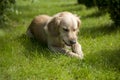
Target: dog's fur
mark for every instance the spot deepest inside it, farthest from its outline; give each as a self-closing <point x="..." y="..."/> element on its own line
<point x="58" y="32"/>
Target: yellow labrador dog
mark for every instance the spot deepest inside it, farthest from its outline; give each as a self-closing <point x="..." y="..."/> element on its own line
<point x="59" y="32"/>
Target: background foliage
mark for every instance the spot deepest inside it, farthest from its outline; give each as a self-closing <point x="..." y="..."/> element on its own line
<point x="110" y="6"/>
<point x="5" y="6"/>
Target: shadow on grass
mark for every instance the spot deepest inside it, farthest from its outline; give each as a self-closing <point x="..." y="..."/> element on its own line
<point x="96" y="14"/>
<point x="98" y="30"/>
<point x="105" y="59"/>
<point x="79" y="7"/>
<point x="72" y="7"/>
<point x="111" y="58"/>
<point x="33" y="48"/>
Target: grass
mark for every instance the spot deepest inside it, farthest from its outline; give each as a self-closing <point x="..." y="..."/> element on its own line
<point x="24" y="59"/>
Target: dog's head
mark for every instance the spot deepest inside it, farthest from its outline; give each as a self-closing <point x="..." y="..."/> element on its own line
<point x="66" y="26"/>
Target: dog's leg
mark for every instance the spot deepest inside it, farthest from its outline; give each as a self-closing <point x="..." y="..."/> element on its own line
<point x="76" y="48"/>
<point x="57" y="49"/>
<point x="72" y="54"/>
<point x="67" y="52"/>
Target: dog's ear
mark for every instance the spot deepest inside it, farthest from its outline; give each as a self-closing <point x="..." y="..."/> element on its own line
<point x="53" y="26"/>
<point x="78" y="22"/>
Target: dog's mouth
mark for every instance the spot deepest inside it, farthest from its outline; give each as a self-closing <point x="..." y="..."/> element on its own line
<point x="66" y="43"/>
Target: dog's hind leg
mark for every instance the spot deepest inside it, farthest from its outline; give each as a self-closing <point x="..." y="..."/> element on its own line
<point x="28" y="33"/>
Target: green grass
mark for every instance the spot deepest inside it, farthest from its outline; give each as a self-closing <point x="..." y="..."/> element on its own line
<point x="24" y="59"/>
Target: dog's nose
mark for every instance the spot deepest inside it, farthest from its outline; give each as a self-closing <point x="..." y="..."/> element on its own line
<point x="72" y="41"/>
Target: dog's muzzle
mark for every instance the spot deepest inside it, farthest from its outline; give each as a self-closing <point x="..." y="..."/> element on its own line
<point x="71" y="42"/>
<point x="67" y="43"/>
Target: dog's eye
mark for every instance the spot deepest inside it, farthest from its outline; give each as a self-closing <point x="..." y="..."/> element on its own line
<point x="74" y="29"/>
<point x="66" y="30"/>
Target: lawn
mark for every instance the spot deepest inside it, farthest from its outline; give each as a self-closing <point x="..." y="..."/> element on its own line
<point x="24" y="59"/>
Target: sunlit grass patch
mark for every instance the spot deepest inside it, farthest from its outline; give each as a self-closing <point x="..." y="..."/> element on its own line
<point x="22" y="58"/>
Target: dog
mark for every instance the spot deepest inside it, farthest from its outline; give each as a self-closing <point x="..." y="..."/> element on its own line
<point x="59" y="32"/>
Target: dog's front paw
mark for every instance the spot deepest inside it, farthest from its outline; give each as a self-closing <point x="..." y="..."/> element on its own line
<point x="81" y="55"/>
<point x="76" y="48"/>
<point x="79" y="52"/>
<point x="72" y="54"/>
